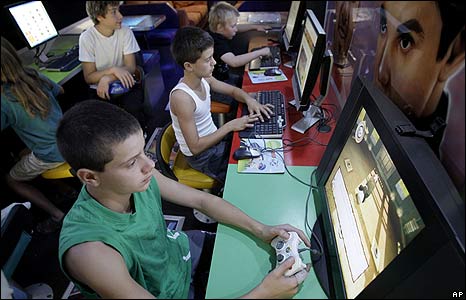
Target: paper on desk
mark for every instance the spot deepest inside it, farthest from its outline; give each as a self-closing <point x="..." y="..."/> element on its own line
<point x="257" y="76"/>
<point x="270" y="162"/>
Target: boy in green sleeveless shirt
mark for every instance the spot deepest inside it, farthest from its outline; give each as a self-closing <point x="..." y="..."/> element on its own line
<point x="114" y="242"/>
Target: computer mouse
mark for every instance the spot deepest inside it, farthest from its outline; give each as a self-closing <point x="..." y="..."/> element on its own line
<point x="272" y="72"/>
<point x="117" y="88"/>
<point x="245" y="153"/>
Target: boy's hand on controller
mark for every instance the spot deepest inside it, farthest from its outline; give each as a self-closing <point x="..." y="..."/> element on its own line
<point x="270" y="232"/>
<point x="277" y="285"/>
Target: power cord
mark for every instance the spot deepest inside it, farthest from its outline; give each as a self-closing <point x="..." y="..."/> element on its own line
<point x="306" y="208"/>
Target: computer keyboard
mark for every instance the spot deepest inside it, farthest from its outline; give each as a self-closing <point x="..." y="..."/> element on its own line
<point x="266" y="61"/>
<point x="66" y="62"/>
<point x="270" y="128"/>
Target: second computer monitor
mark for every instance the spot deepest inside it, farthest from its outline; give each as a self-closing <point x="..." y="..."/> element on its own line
<point x="294" y="23"/>
<point x="309" y="61"/>
<point x="312" y="59"/>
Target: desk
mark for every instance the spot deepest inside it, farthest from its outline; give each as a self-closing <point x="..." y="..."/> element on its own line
<point x="306" y="155"/>
<point x="136" y="23"/>
<point x="275" y="19"/>
<point x="143" y="22"/>
<point x="239" y="260"/>
<point x="60" y="45"/>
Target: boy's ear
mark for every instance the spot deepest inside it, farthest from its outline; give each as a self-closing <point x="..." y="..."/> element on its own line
<point x="454" y="57"/>
<point x="88" y="177"/>
<point x="188" y="66"/>
<point x="220" y="27"/>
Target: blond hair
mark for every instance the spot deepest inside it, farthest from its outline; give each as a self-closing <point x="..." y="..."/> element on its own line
<point x="95" y="9"/>
<point x="220" y="13"/>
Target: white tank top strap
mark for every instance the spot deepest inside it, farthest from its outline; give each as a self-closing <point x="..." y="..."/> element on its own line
<point x="202" y="115"/>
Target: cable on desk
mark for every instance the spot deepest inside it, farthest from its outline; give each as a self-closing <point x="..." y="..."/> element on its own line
<point x="311" y="188"/>
<point x="277" y="151"/>
<point x="306" y="221"/>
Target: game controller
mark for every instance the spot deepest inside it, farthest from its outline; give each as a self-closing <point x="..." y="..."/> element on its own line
<point x="286" y="248"/>
<point x="117" y="88"/>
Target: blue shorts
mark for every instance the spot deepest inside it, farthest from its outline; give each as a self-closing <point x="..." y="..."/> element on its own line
<point x="213" y="161"/>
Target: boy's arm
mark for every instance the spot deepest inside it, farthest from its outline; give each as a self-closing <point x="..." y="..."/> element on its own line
<point x="255" y="108"/>
<point x="275" y="284"/>
<point x="182" y="106"/>
<point x="104" y="77"/>
<point x="221" y="210"/>
<point x="241" y="60"/>
<point x="103" y="269"/>
<point x="248" y="27"/>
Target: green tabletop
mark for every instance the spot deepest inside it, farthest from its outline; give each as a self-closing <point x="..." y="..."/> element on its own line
<point x="240" y="261"/>
<point x="60" y="45"/>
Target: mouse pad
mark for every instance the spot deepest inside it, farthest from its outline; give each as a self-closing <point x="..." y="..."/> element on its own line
<point x="258" y="76"/>
<point x="270" y="161"/>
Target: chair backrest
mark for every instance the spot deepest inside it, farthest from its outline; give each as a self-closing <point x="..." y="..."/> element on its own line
<point x="165" y="143"/>
<point x="16" y="234"/>
<point x="181" y="170"/>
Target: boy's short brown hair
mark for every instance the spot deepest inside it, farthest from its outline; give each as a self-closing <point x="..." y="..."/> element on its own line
<point x="99" y="8"/>
<point x="220" y="13"/>
<point x="189" y="43"/>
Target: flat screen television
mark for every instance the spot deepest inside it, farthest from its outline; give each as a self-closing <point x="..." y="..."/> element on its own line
<point x="393" y="221"/>
<point x="33" y="22"/>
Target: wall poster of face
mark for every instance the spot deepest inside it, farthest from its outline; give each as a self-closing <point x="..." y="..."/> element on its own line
<point x="414" y="52"/>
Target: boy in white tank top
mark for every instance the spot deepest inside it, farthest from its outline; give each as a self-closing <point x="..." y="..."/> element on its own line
<point x="200" y="141"/>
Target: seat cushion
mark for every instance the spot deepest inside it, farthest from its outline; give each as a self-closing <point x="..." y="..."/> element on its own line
<point x="189" y="176"/>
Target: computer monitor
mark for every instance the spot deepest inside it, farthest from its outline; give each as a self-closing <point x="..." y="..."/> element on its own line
<point x="312" y="60"/>
<point x="294" y="25"/>
<point x="392" y="221"/>
<point x="34" y="23"/>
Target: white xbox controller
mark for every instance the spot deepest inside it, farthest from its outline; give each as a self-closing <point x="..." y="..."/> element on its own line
<point x="287" y="248"/>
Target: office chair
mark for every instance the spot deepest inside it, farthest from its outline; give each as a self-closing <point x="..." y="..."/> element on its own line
<point x="221" y="109"/>
<point x="180" y="170"/>
<point x="16" y="235"/>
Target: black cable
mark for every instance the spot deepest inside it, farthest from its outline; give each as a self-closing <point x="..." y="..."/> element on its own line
<point x="306" y="222"/>
<point x="277" y="151"/>
<point x="311" y="187"/>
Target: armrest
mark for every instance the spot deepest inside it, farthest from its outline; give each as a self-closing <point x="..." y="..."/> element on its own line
<point x="219" y="108"/>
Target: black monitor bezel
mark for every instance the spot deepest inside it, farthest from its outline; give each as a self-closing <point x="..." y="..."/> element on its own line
<point x="303" y="100"/>
<point x="294" y="40"/>
<point x="432" y="191"/>
<point x="21" y="33"/>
